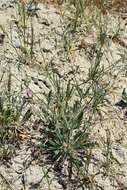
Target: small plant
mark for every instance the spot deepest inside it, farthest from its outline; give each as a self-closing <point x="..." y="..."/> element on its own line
<point x="66" y="136"/>
<point x="69" y="112"/>
<point x="14" y="112"/>
<point x="25" y="30"/>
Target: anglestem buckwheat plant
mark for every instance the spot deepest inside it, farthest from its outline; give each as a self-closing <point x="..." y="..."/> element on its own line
<point x="66" y="136"/>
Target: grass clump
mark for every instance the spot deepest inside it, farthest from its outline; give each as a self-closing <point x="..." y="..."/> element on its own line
<point x="66" y="136"/>
<point x="70" y="112"/>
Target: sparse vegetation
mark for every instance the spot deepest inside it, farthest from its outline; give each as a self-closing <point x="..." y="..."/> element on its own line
<point x="65" y="124"/>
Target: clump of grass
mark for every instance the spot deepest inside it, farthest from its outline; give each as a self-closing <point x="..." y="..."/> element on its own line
<point x="66" y="136"/>
<point x="70" y="111"/>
